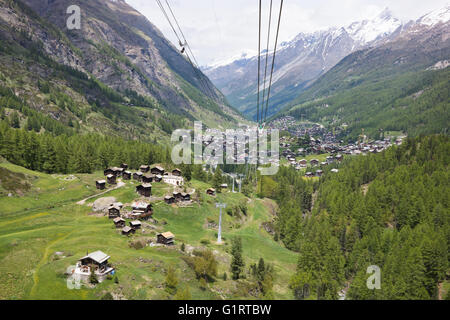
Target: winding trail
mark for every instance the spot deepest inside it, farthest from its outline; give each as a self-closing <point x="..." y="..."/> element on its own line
<point x="120" y="184"/>
<point x="43" y="261"/>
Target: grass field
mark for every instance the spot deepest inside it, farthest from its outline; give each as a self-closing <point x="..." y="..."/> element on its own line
<point x="46" y="219"/>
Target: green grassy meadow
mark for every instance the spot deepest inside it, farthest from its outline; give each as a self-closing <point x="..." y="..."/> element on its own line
<point x="46" y="219"/>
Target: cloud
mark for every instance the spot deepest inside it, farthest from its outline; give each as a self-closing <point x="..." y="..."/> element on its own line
<point x="218" y="29"/>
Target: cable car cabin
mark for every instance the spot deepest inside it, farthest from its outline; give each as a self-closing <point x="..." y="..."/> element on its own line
<point x="124" y="166"/>
<point x="137" y="176"/>
<point x="157" y="170"/>
<point x="144" y="168"/>
<point x="166" y="238"/>
<point x="147" y="178"/>
<point x="136" y="224"/>
<point x="100" y="184"/>
<point x="111" y="179"/>
<point x="169" y="199"/>
<point x="119" y="222"/>
<point x="211" y="191"/>
<point x="126" y="175"/>
<point x="126" y="231"/>
<point x="176" y="172"/>
<point x="144" y="189"/>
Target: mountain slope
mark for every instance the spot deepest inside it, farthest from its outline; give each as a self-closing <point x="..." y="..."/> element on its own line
<point x="300" y="62"/>
<point x="400" y="85"/>
<point x="117" y="75"/>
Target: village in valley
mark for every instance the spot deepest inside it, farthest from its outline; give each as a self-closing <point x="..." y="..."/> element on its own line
<point x="311" y="148"/>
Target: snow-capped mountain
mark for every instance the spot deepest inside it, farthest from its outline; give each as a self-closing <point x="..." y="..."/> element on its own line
<point x="435" y="17"/>
<point x="304" y="59"/>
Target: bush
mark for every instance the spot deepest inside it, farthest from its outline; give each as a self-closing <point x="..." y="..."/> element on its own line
<point x="108" y="296"/>
<point x="203" y="263"/>
<point x="205" y="241"/>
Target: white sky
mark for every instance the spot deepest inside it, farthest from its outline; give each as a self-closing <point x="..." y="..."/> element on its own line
<point x="220" y="29"/>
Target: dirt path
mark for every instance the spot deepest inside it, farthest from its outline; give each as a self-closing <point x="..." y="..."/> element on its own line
<point x="120" y="184"/>
<point x="43" y="261"/>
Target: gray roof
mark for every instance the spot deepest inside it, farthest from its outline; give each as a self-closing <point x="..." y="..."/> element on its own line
<point x="97" y="256"/>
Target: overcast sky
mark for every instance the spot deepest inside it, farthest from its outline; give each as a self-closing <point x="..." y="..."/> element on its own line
<point x="220" y="29"/>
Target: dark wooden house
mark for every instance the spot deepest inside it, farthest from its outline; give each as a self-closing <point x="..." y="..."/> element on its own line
<point x="100" y="184"/>
<point x="309" y="175"/>
<point x="144" y="189"/>
<point x="169" y="199"/>
<point x="178" y="197"/>
<point x="176" y="172"/>
<point x="137" y="176"/>
<point x="111" y="179"/>
<point x="124" y="166"/>
<point x="319" y="173"/>
<point x="126" y="231"/>
<point x="108" y="171"/>
<point x="114" y="211"/>
<point x="211" y="191"/>
<point x="136" y="224"/>
<point x="157" y="170"/>
<point x="119" y="222"/>
<point x="144" y="168"/>
<point x="147" y="178"/>
<point x="186" y="197"/>
<point x="166" y="238"/>
<point x="157" y="178"/>
<point x="141" y="210"/>
<point x="126" y="175"/>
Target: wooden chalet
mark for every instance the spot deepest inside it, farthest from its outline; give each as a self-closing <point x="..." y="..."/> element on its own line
<point x="108" y="171"/>
<point x="141" y="210"/>
<point x="314" y="162"/>
<point x="126" y="231"/>
<point x="119" y="222"/>
<point x="211" y="191"/>
<point x="144" y="168"/>
<point x="224" y="186"/>
<point x="319" y="173"/>
<point x="176" y="172"/>
<point x="100" y="184"/>
<point x="111" y="179"/>
<point x="309" y="175"/>
<point x="157" y="178"/>
<point x="137" y="176"/>
<point x="97" y="262"/>
<point x="185" y="196"/>
<point x="169" y="199"/>
<point x="147" y="178"/>
<point x="166" y="238"/>
<point x="144" y="189"/>
<point x="136" y="224"/>
<point x="157" y="170"/>
<point x="126" y="175"/>
<point x="177" y="195"/>
<point x="114" y="210"/>
<point x="124" y="166"/>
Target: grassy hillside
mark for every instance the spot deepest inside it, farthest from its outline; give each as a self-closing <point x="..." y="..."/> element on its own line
<point x="46" y="220"/>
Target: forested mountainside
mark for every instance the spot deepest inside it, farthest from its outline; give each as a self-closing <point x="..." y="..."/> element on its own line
<point x="118" y="75"/>
<point x="399" y="86"/>
<point x="389" y="209"/>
